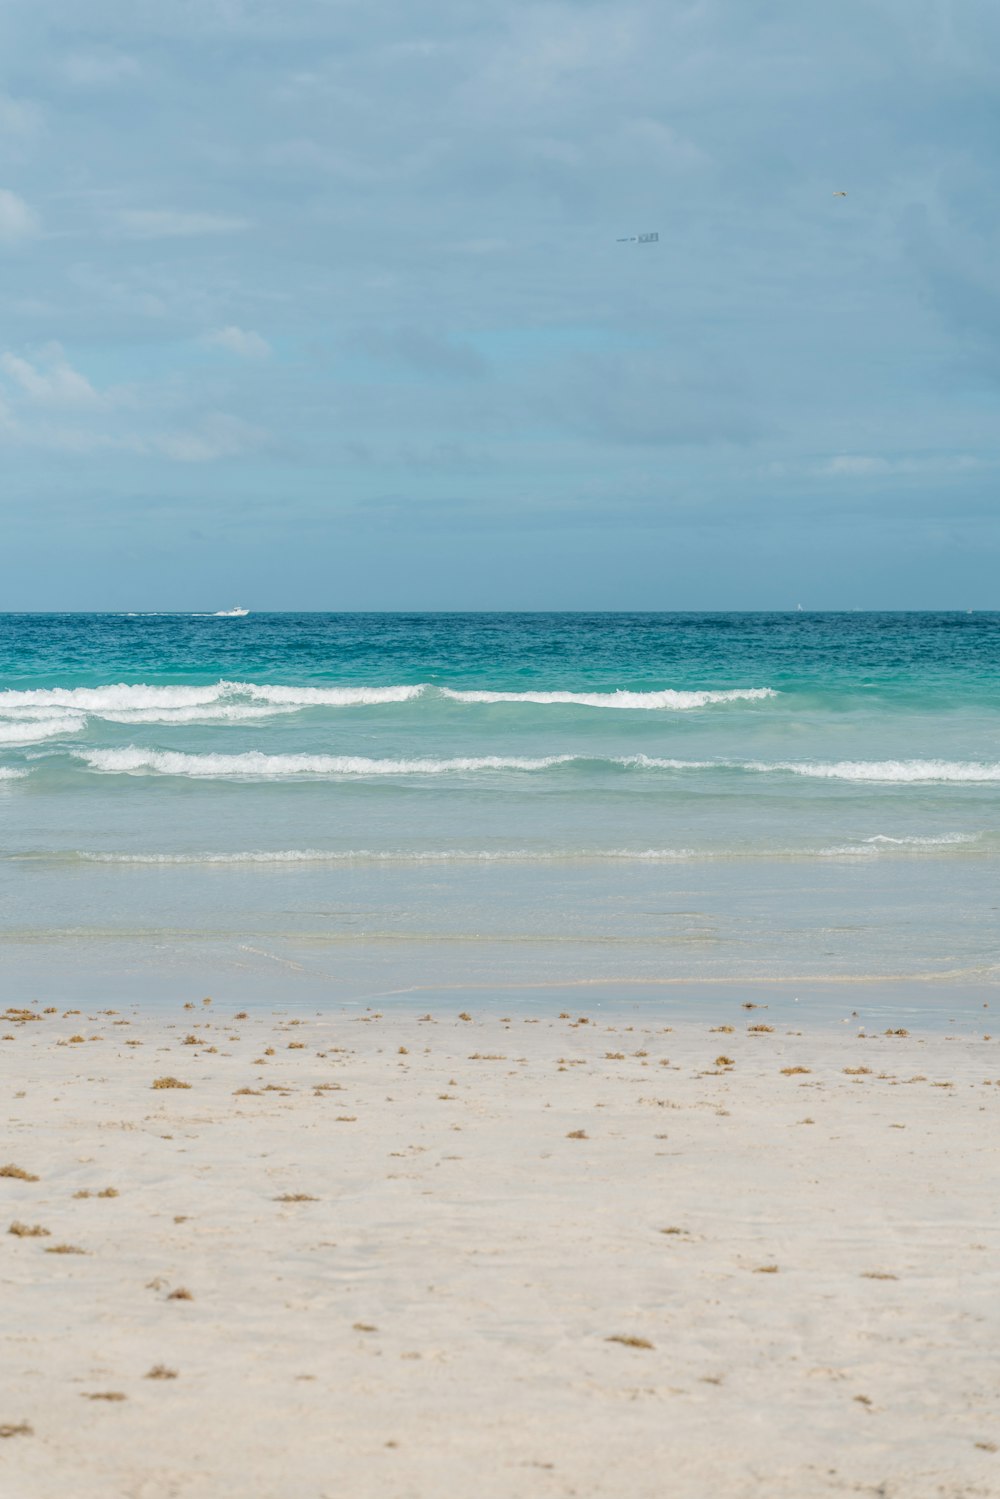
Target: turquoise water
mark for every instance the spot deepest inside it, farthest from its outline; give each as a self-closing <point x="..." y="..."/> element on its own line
<point x="351" y="804"/>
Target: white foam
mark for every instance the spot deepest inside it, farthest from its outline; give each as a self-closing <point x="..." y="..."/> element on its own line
<point x="258" y="765"/>
<point x="669" y="699"/>
<point x="901" y="772"/>
<point x="330" y="697"/>
<point x="367" y="855"/>
<point x="885" y="772"/>
<point x="167" y="704"/>
<point x="248" y="856"/>
<point x="862" y="850"/>
<point x="141" y="697"/>
<point x="877" y="848"/>
<point x="32" y="714"/>
<point x="116" y="697"/>
<point x="255" y="765"/>
<point x="941" y="841"/>
<point x="211" y="713"/>
<point x="658" y="762"/>
<point x="7" y="773"/>
<point x="32" y="731"/>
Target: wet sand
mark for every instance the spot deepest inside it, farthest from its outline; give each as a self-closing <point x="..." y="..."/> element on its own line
<point x="531" y="1256"/>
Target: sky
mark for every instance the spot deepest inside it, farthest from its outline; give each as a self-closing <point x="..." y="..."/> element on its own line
<point x="330" y="304"/>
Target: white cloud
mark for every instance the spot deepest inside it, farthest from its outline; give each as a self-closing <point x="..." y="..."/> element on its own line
<point x="217" y="436"/>
<point x="47" y="405"/>
<point x="660" y="143"/>
<point x="861" y="466"/>
<point x="854" y="465"/>
<point x="17" y="220"/>
<point x="170" y="223"/>
<point x="241" y="341"/>
<point x="81" y="441"/>
<point x="483" y="246"/>
<point x="50" y="380"/>
<point x="18" y="117"/>
<point x="552" y="52"/>
<point x="99" y="69"/>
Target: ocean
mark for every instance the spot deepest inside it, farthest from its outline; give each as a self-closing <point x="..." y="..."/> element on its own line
<point x="607" y="808"/>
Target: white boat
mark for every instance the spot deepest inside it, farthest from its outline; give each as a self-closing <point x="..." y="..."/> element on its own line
<point x="237" y="612"/>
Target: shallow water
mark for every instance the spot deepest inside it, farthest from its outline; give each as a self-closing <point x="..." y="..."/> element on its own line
<point x="345" y="805"/>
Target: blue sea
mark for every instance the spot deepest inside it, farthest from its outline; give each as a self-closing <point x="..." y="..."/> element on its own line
<point x="603" y="808"/>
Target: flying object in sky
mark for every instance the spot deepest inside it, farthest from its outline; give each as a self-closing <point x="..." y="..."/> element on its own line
<point x="637" y="239"/>
<point x="839" y="194"/>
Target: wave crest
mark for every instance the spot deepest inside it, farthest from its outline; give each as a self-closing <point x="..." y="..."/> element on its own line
<point x="258" y="766"/>
<point x="255" y="764"/>
<point x="33" y="730"/>
<point x="391" y="856"/>
<point x="668" y="698"/>
<point x="884" y="772"/>
<point x="888" y="772"/>
<point x="878" y="847"/>
<point x="941" y="840"/>
<point x="140" y="702"/>
<point x="330" y="697"/>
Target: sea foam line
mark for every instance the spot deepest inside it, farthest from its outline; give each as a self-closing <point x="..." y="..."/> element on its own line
<point x="884" y="772"/>
<point x="393" y="856"/>
<point x="868" y="848"/>
<point x="140" y="702"/>
<point x="887" y="772"/>
<point x="135" y="698"/>
<point x="650" y="701"/>
<point x="941" y="840"/>
<point x="33" y="730"/>
<point x="254" y="764"/>
<point x="219" y="712"/>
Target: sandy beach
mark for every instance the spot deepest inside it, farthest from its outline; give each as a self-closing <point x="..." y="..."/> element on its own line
<point x="587" y="1255"/>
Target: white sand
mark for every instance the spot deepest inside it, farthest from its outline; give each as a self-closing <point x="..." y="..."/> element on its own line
<point x="437" y="1321"/>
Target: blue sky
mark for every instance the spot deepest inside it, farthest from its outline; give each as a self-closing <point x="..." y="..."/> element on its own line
<point x="320" y="304"/>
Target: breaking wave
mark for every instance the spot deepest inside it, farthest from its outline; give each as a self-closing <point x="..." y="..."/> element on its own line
<point x="667" y="699"/>
<point x="941" y="841"/>
<point x="33" y="730"/>
<point x="886" y="772"/>
<point x="210" y="714"/>
<point x="392" y="856"/>
<point x="135" y="698"/>
<point x="117" y="697"/>
<point x="866" y="848"/>
<point x="258" y="766"/>
<point x="254" y="764"/>
<point x="331" y="697"/>
<point x="125" y="702"/>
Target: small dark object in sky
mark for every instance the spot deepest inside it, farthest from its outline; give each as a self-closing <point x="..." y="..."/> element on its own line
<point x="840" y="194"/>
<point x="638" y="239"/>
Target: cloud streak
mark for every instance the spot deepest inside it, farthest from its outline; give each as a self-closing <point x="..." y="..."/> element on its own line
<point x="243" y="342"/>
<point x="50" y="380"/>
<point x="172" y="223"/>
<point x="18" y="221"/>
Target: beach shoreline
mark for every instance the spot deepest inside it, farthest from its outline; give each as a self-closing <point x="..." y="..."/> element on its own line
<point x="548" y="1252"/>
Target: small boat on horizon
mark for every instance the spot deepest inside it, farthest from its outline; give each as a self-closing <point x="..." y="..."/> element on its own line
<point x="237" y="612"/>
